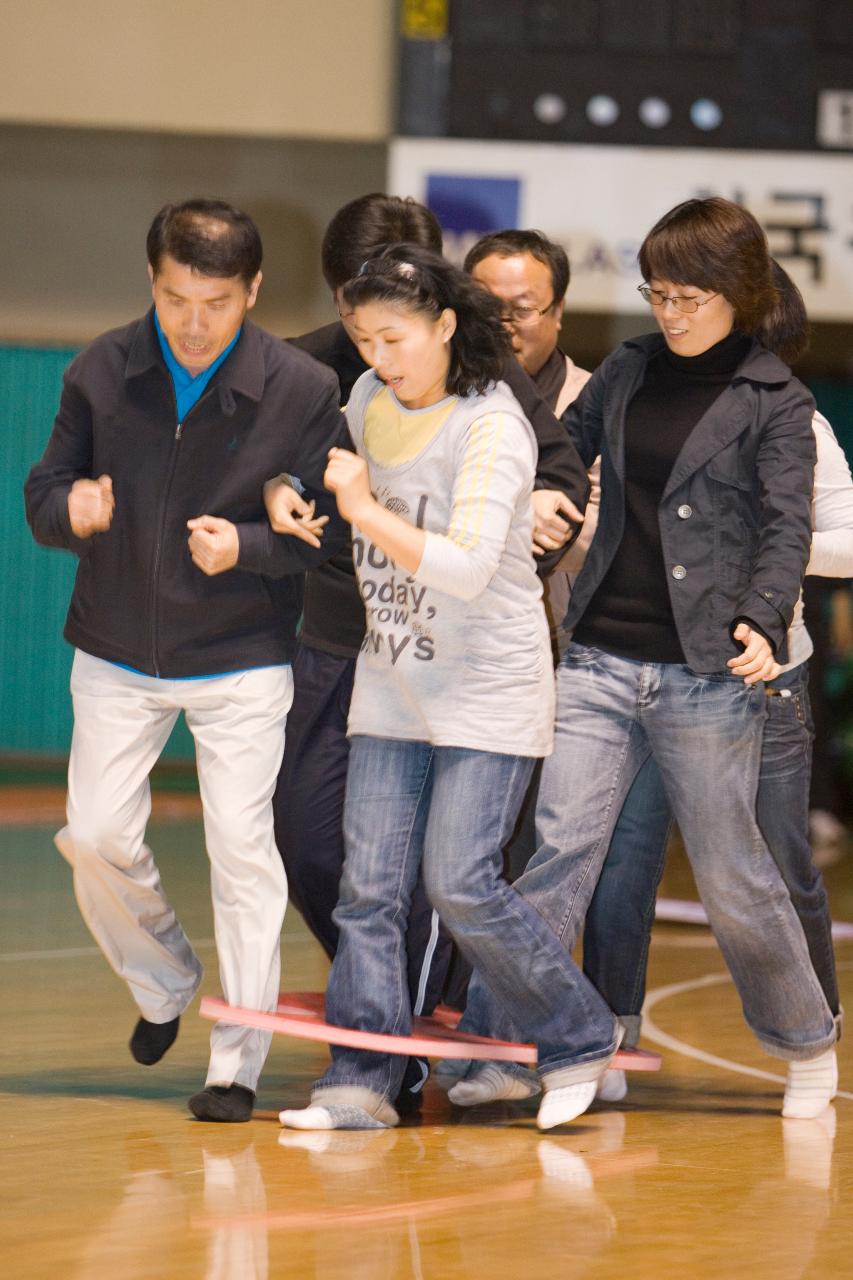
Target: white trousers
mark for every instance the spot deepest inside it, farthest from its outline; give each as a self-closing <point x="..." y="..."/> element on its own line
<point x="122" y="721"/>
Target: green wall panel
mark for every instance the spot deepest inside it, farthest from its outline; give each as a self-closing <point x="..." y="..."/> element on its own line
<point x="35" y="707"/>
<point x="35" y="585"/>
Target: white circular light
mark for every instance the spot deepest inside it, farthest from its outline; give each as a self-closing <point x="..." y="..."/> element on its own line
<point x="706" y="114"/>
<point x="549" y="108"/>
<point x="602" y="110"/>
<point x="655" y="113"/>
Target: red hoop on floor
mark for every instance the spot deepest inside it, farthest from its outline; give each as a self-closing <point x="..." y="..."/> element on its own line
<point x="301" y="1014"/>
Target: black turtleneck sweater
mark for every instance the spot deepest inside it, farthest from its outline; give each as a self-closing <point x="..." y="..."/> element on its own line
<point x="630" y="614"/>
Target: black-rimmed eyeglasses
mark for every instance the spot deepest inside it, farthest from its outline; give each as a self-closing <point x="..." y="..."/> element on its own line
<point x="687" y="306"/>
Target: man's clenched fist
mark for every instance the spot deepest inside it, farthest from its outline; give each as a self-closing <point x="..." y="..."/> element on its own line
<point x="90" y="506"/>
<point x="214" y="544"/>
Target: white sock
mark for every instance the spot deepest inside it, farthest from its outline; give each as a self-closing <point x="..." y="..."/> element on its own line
<point x="446" y="1072"/>
<point x="491" y="1084"/>
<point x="331" y="1117"/>
<point x="569" y="1101"/>
<point x="306" y="1118"/>
<point x="612" y="1086"/>
<point x="811" y="1086"/>
<point x="559" y="1106"/>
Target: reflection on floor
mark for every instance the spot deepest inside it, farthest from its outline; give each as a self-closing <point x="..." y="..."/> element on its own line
<point x="106" y="1176"/>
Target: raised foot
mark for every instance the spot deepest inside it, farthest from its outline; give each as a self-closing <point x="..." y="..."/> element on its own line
<point x="811" y="1086"/>
<point x="150" y="1040"/>
<point x="559" y="1106"/>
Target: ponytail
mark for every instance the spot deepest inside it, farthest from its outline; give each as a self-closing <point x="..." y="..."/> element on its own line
<point x="784" y="329"/>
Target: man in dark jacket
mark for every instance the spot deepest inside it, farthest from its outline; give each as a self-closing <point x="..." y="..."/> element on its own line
<point x="185" y="600"/>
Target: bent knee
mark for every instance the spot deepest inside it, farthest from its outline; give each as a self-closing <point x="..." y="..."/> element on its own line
<point x="87" y="844"/>
<point x="457" y="897"/>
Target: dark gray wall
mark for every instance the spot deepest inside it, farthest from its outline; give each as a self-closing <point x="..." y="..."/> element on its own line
<point x="76" y="204"/>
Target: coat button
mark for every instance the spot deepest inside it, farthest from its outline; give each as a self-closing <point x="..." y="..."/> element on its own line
<point x="685" y="511"/>
<point x="679" y="572"/>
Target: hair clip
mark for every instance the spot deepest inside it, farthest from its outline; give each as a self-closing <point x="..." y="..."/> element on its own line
<point x="388" y="267"/>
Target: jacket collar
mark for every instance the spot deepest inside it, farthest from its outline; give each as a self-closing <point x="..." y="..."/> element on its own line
<point x="243" y="371"/>
<point x="723" y="421"/>
<point x="758" y="365"/>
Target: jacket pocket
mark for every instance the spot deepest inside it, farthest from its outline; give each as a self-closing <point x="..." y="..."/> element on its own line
<point x="726" y="468"/>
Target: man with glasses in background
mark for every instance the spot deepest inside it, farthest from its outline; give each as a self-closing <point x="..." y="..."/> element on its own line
<point x="530" y="275"/>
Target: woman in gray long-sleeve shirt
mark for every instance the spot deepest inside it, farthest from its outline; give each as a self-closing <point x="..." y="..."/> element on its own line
<point x="453" y="697"/>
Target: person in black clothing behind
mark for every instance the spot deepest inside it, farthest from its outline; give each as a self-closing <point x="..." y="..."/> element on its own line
<point x="310" y="794"/>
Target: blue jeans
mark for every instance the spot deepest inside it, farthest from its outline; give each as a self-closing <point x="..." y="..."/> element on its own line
<point x="618" y="926"/>
<point x="619" y="920"/>
<point x="704" y="732"/>
<point x="309" y="805"/>
<point x="451" y="809"/>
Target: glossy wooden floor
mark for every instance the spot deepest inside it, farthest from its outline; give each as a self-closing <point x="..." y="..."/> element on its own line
<point x="105" y="1176"/>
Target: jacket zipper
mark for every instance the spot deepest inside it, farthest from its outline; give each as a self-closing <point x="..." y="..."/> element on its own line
<point x="161" y="521"/>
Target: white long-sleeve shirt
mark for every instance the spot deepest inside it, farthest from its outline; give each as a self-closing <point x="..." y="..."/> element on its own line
<point x="832" y="522"/>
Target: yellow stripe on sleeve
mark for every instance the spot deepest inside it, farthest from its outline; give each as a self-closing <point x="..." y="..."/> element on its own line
<point x="475" y="479"/>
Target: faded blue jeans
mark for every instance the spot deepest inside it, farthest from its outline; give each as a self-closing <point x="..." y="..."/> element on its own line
<point x="704" y="732"/>
<point x="618" y="926"/>
<point x="620" y="916"/>
<point x="452" y="809"/>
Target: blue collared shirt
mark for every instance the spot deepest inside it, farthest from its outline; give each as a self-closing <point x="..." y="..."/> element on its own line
<point x="189" y="389"/>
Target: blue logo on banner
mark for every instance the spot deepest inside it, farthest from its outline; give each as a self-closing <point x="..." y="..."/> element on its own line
<point x="471" y="207"/>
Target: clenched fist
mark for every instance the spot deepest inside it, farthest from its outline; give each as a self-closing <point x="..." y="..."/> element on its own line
<point x="347" y="476"/>
<point x="90" y="506"/>
<point x="214" y="544"/>
<point x="553" y="517"/>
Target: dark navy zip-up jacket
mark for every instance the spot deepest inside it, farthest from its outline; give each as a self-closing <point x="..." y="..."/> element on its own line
<point x="138" y="598"/>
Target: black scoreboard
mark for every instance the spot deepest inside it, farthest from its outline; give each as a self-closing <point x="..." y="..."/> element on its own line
<point x="757" y="74"/>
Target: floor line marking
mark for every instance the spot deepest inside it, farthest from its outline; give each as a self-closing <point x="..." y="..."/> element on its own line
<point x="684" y="911"/>
<point x="666" y="1041"/>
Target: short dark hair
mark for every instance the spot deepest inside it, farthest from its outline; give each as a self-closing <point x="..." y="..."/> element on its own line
<point x="418" y="280"/>
<point x="717" y="244"/>
<point x="369" y="223"/>
<point x="209" y="236"/>
<point x="510" y="243"/>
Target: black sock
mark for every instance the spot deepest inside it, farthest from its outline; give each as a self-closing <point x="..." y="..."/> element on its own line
<point x="150" y="1040"/>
